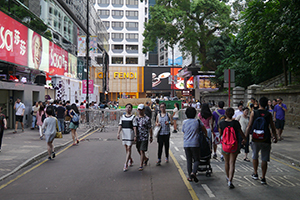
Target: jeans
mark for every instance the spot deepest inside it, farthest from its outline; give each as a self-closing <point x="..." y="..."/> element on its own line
<point x="33" y="121"/>
<point x="61" y="125"/>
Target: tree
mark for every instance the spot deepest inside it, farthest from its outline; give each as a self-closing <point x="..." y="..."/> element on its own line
<point x="191" y="23"/>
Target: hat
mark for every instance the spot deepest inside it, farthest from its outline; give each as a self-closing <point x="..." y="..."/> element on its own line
<point x="141" y="106"/>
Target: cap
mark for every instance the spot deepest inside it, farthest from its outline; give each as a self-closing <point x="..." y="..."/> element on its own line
<point x="141" y="106"/>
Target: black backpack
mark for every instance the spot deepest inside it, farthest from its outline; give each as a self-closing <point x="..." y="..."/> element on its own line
<point x="260" y="127"/>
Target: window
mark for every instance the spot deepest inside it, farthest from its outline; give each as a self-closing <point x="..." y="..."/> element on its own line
<point x="117" y="2"/>
<point x="132" y="2"/>
<point x="132" y="47"/>
<point x="130" y="60"/>
<point x="132" y="36"/>
<point x="132" y="24"/>
<point x="103" y="12"/>
<point x="117" y="36"/>
<point x="106" y="24"/>
<point x="117" y="60"/>
<point x="131" y="13"/>
<point x="103" y="1"/>
<point x="117" y="13"/>
<point x="117" y="47"/>
<point x="117" y="24"/>
<point x="146" y="11"/>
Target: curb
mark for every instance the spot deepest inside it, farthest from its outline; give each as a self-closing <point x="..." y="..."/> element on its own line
<point x="41" y="155"/>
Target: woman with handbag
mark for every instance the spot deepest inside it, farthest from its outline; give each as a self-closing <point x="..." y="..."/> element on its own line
<point x="191" y="129"/>
<point x="73" y="125"/>
<point x="164" y="120"/>
<point x="50" y="129"/>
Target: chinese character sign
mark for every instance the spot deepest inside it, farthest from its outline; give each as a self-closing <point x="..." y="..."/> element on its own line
<point x="13" y="40"/>
<point x="58" y="60"/>
<point x="91" y="86"/>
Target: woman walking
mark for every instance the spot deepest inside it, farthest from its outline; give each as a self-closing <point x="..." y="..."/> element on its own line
<point x="175" y="116"/>
<point x="230" y="158"/>
<point x="73" y="125"/>
<point x="3" y="125"/>
<point x="191" y="128"/>
<point x="50" y="128"/>
<point x="205" y="116"/>
<point x="164" y="120"/>
<point x="35" y="109"/>
<point x="39" y="121"/>
<point x="128" y="126"/>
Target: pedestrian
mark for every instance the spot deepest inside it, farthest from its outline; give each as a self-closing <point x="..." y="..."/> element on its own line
<point x="148" y="111"/>
<point x="50" y="128"/>
<point x="239" y="111"/>
<point x="252" y="101"/>
<point x="60" y="114"/>
<point x="128" y="126"/>
<point x="39" y="120"/>
<point x="191" y="129"/>
<point x="214" y="127"/>
<point x="175" y="116"/>
<point x="244" y="120"/>
<point x="230" y="157"/>
<point x="263" y="146"/>
<point x="20" y="110"/>
<point x="274" y="102"/>
<point x="270" y="108"/>
<point x="279" y="117"/>
<point x="164" y="120"/>
<point x="3" y="125"/>
<point x="73" y="125"/>
<point x="82" y="112"/>
<point x="256" y="105"/>
<point x="206" y="116"/>
<point x="156" y="108"/>
<point x="143" y="131"/>
<point x="34" y="110"/>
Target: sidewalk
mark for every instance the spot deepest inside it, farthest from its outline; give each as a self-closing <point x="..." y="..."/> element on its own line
<point x="22" y="148"/>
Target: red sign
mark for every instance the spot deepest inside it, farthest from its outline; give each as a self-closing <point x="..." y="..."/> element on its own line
<point x="13" y="40"/>
<point x="58" y="60"/>
<point x="178" y="84"/>
<point x="190" y="83"/>
<point x="91" y="86"/>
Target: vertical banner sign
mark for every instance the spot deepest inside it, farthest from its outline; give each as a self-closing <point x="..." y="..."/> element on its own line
<point x="91" y="86"/>
<point x="58" y="60"/>
<point x="13" y="40"/>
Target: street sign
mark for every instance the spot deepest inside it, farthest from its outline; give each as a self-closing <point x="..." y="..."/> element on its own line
<point x="226" y="75"/>
<point x="226" y="85"/>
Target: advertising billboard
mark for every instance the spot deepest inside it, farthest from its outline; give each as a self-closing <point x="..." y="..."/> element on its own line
<point x="58" y="60"/>
<point x="13" y="40"/>
<point x="162" y="78"/>
<point x="72" y="66"/>
<point x="38" y="51"/>
<point x="205" y="84"/>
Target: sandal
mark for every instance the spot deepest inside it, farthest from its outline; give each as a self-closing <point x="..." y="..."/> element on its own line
<point x="125" y="168"/>
<point x="77" y="141"/>
<point x="194" y="177"/>
<point x="146" y="162"/>
<point x="189" y="180"/>
<point x="141" y="168"/>
<point x="130" y="163"/>
<point x="246" y="159"/>
<point x="74" y="144"/>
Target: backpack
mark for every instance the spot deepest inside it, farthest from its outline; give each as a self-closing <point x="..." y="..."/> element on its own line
<point x="229" y="140"/>
<point x="221" y="118"/>
<point x="205" y="149"/>
<point x="44" y="117"/>
<point x="259" y="127"/>
<point x="75" y="117"/>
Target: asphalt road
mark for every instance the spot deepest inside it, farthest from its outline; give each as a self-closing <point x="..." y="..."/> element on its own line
<point x="93" y="170"/>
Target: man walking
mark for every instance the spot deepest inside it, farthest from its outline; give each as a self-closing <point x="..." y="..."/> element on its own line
<point x="239" y="111"/>
<point x="279" y="117"/>
<point x="261" y="143"/>
<point x="60" y="114"/>
<point x="143" y="123"/>
<point x="20" y="109"/>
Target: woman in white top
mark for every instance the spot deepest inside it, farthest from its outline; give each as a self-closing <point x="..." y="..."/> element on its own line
<point x="244" y="120"/>
<point x="128" y="126"/>
<point x="175" y="116"/>
<point x="50" y="127"/>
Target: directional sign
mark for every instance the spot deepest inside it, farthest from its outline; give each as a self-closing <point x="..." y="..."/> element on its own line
<point x="232" y="75"/>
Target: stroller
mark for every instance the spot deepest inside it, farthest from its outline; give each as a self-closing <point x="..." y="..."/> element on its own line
<point x="205" y="155"/>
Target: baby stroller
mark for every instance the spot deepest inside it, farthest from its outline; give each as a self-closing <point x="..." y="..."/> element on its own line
<point x="66" y="127"/>
<point x="205" y="155"/>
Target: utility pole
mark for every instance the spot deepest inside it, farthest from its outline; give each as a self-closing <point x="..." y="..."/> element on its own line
<point x="87" y="53"/>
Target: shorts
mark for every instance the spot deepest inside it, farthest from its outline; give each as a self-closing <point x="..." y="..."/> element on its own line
<point x="175" y="118"/>
<point x="279" y="124"/>
<point x="142" y="145"/>
<point x="236" y="152"/>
<point x="265" y="149"/>
<point x="217" y="139"/>
<point x="73" y="126"/>
<point x="19" y="118"/>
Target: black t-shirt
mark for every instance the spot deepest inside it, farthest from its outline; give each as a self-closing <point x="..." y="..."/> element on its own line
<point x="234" y="123"/>
<point x="60" y="112"/>
<point x="148" y="112"/>
<point x="266" y="114"/>
<point x="53" y="109"/>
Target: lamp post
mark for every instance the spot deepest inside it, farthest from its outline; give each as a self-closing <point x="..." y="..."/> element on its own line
<point x="87" y="54"/>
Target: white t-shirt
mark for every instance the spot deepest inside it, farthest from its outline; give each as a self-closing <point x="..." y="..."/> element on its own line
<point x="237" y="113"/>
<point x="176" y="112"/>
<point x="243" y="121"/>
<point x="19" y="108"/>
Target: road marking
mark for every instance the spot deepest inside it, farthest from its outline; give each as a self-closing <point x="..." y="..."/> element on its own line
<point x="182" y="157"/>
<point x="286" y="164"/>
<point x="220" y="168"/>
<point x="36" y="166"/>
<point x="208" y="191"/>
<point x="176" y="148"/>
<point x="188" y="185"/>
<point x="171" y="142"/>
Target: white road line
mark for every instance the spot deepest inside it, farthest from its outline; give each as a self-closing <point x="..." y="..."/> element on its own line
<point x="208" y="191"/>
<point x="182" y="157"/>
<point x="171" y="142"/>
<point x="176" y="148"/>
<point x="220" y="168"/>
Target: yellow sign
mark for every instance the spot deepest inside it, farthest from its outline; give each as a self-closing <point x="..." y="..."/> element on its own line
<point x="124" y="75"/>
<point x="100" y="75"/>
